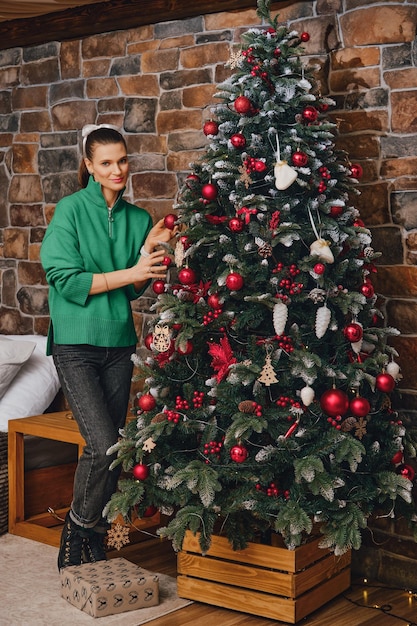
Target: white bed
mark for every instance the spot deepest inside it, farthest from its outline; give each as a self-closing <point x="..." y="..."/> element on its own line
<point x="29" y="384"/>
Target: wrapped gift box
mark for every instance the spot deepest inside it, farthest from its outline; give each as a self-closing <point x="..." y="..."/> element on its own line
<point x="109" y="587"/>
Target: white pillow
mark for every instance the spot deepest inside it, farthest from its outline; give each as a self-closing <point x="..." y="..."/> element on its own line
<point x="12" y="356"/>
<point x="34" y="387"/>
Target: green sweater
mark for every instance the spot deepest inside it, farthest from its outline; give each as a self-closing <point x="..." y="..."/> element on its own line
<point x="86" y="238"/>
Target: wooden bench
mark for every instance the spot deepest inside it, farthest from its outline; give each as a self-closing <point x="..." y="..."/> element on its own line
<point x="33" y="494"/>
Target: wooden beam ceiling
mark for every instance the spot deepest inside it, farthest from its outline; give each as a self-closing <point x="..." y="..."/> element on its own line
<point x="102" y="17"/>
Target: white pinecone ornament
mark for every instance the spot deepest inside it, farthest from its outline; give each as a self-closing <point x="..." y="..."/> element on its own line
<point x="322" y="320"/>
<point x="280" y="316"/>
<point x="307" y="395"/>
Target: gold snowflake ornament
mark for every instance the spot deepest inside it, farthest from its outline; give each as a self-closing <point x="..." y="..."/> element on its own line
<point x="236" y="58"/>
<point x="360" y="428"/>
<point x="118" y="536"/>
<point x="244" y="176"/>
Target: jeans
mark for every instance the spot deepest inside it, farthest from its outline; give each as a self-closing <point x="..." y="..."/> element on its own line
<point x="96" y="383"/>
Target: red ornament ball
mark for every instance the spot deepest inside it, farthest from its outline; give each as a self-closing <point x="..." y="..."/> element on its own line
<point x="367" y="289"/>
<point x="214" y="301"/>
<point x="234" y="281"/>
<point x="353" y="332"/>
<point x="359" y="407"/>
<point x="235" y="225"/>
<point x="356" y="170"/>
<point x="140" y="471"/>
<point x="305" y="37"/>
<point x="150" y="511"/>
<point x="406" y="471"/>
<point x="243" y="105"/>
<point x="310" y="114"/>
<point x="299" y="159"/>
<point x="166" y="261"/>
<point x="210" y="128"/>
<point x="169" y="221"/>
<point x="397" y="458"/>
<point x="148" y="341"/>
<point x="158" y="286"/>
<point x="146" y="402"/>
<point x="359" y="223"/>
<point x="239" y="454"/>
<point x="188" y="348"/>
<point x="335" y="210"/>
<point x="385" y="382"/>
<point x="260" y="166"/>
<point x="187" y="276"/>
<point x="209" y="192"/>
<point x="184" y="241"/>
<point x="319" y="268"/>
<point x="334" y="402"/>
<point x="238" y="141"/>
<point x="191" y="181"/>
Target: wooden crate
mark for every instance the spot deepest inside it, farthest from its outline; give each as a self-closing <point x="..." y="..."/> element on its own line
<point x="263" y="580"/>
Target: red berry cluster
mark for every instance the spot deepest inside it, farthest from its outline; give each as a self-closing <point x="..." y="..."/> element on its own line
<point x="335" y="421"/>
<point x="284" y="401"/>
<point x="254" y="165"/>
<point x="172" y="416"/>
<point x="210" y="316"/>
<point x="198" y="397"/>
<point x="272" y="490"/>
<point x="275" y="220"/>
<point x="257" y="409"/>
<point x="213" y="448"/>
<point x="287" y="282"/>
<point x="181" y="404"/>
<point x="285" y="343"/>
<point x="256" y="65"/>
<point x="325" y="176"/>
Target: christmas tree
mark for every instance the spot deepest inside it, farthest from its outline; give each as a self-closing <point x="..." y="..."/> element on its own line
<point x="267" y="400"/>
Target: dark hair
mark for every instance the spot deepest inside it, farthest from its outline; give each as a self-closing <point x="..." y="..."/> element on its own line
<point x="100" y="136"/>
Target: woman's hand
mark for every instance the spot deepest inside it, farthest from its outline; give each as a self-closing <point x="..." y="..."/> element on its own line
<point x="158" y="234"/>
<point x="150" y="267"/>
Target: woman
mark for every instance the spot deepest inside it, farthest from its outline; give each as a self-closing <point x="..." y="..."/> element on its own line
<point x="98" y="254"/>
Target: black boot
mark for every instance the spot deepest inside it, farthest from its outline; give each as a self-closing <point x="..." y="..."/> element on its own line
<point x="94" y="549"/>
<point x="72" y="539"/>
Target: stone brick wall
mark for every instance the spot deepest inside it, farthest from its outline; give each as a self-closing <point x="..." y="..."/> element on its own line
<point x="157" y="82"/>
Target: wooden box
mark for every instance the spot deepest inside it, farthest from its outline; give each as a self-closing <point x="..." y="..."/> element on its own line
<point x="263" y="580"/>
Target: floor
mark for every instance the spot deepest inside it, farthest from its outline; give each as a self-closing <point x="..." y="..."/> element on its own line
<point x="362" y="605"/>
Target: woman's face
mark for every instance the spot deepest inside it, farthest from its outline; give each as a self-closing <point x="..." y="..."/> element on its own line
<point x="110" y="168"/>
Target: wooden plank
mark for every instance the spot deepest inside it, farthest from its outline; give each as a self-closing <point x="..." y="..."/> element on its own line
<point x="276" y="558"/>
<point x="238" y="599"/>
<point x="320" y="571"/>
<point x="55" y="426"/>
<point x="101" y="17"/>
<point x="48" y="487"/>
<point x="260" y="579"/>
<point x="319" y="596"/>
<point x="279" y="583"/>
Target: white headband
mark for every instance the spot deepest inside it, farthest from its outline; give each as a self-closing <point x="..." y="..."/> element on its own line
<point x="89" y="128"/>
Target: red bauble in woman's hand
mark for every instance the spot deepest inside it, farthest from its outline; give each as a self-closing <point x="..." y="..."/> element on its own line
<point x="169" y="221"/>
